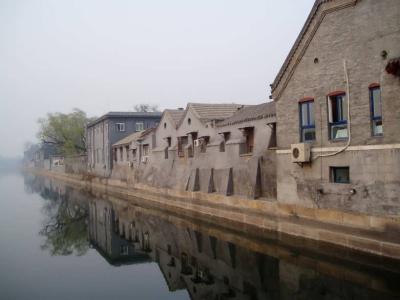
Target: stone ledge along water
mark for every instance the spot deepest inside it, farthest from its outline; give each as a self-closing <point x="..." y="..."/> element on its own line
<point x="370" y="234"/>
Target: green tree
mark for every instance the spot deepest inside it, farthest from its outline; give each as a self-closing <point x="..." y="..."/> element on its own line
<point x="65" y="131"/>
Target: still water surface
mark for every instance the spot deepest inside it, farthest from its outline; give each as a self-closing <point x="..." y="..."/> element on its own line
<point x="57" y="242"/>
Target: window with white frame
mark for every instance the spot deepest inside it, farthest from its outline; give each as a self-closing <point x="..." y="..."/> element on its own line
<point x="376" y="110"/>
<point x="139" y="126"/>
<point x="120" y="127"/>
<point x="337" y="108"/>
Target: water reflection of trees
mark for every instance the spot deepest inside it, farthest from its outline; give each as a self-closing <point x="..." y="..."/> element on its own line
<point x="64" y="227"/>
<point x="65" y="230"/>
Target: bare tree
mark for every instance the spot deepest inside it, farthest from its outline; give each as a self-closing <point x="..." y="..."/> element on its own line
<point x="146" y="108"/>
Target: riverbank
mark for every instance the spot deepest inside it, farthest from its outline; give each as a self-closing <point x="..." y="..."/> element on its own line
<point x="269" y="219"/>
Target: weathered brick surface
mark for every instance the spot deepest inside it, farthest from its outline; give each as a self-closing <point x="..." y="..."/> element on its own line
<point x="357" y="34"/>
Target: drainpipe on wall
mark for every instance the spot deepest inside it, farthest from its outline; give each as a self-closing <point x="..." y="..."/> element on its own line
<point x="348" y="116"/>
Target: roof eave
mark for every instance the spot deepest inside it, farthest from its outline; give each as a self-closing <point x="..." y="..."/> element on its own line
<point x="276" y="86"/>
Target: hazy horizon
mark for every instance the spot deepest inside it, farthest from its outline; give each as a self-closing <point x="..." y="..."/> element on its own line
<point x="102" y="56"/>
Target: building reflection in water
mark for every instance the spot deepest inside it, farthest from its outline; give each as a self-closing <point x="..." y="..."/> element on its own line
<point x="213" y="263"/>
<point x="211" y="267"/>
<point x="107" y="238"/>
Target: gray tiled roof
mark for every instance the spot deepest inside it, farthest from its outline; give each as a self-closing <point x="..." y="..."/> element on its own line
<point x="134" y="136"/>
<point x="249" y="113"/>
<point x="128" y="139"/>
<point x="129" y="114"/>
<point x="176" y="115"/>
<point x="207" y="111"/>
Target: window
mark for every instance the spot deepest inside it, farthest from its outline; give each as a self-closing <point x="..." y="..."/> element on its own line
<point x="189" y="121"/>
<point x="190" y="149"/>
<point x="166" y="153"/>
<point x="139" y="126"/>
<point x="127" y="152"/>
<point x="272" y="138"/>
<point x="165" y="125"/>
<point x="203" y="143"/>
<point x="145" y="149"/>
<point x="134" y="154"/>
<point x="121" y="150"/>
<point x="169" y="141"/>
<point x="248" y="132"/>
<point x="338" y="116"/>
<point x="376" y="110"/>
<point x="124" y="250"/>
<point x="120" y="127"/>
<point x="307" y="121"/>
<point x="226" y="136"/>
<point x="115" y="154"/>
<point x="182" y="142"/>
<point x="340" y="174"/>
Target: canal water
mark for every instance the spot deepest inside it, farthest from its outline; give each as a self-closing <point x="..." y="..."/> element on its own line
<point x="59" y="242"/>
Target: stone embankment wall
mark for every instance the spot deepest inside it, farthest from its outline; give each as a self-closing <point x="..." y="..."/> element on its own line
<point x="222" y="168"/>
<point x="250" y="176"/>
<point x="76" y="164"/>
<point x="372" y="234"/>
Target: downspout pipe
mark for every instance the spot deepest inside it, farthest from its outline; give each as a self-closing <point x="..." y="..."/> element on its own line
<point x="346" y="74"/>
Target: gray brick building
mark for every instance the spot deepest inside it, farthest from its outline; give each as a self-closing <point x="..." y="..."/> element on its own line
<point x="338" y="92"/>
<point x="102" y="133"/>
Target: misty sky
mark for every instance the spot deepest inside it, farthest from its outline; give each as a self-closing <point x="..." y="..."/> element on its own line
<point x="104" y="56"/>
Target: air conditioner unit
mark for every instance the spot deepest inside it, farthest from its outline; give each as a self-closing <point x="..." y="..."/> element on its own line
<point x="197" y="143"/>
<point x="301" y="153"/>
<point x="144" y="159"/>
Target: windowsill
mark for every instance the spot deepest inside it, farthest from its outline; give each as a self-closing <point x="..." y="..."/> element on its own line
<point x="246" y="154"/>
<point x="312" y="143"/>
<point x="338" y="140"/>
